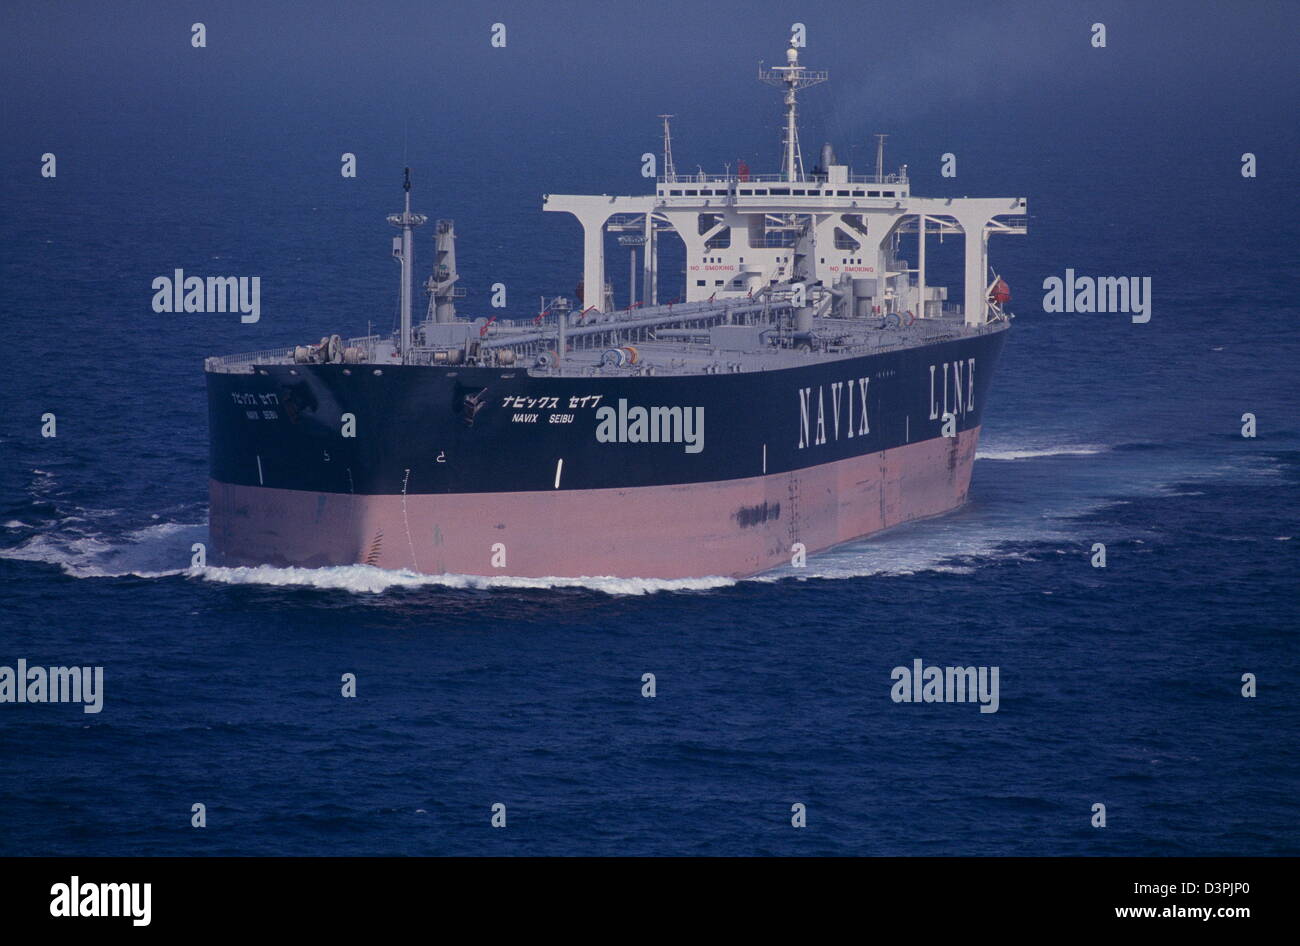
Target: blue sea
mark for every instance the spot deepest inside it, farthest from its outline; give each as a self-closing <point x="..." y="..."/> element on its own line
<point x="1119" y="686"/>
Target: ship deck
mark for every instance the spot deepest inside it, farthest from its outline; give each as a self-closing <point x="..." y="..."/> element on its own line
<point x="690" y="339"/>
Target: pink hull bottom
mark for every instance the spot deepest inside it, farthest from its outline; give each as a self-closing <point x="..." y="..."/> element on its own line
<point x="733" y="528"/>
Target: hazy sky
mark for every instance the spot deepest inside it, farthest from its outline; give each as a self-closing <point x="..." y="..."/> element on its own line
<point x="425" y="71"/>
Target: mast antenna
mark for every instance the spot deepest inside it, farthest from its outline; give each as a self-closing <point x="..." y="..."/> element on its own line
<point x="793" y="78"/>
<point x="880" y="158"/>
<point x="403" y="252"/>
<point x="670" y="172"/>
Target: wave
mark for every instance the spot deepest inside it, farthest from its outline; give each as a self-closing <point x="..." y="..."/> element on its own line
<point x="163" y="551"/>
<point x="952" y="544"/>
<point x="155" y="551"/>
<point x="366" y="579"/>
<point x="1029" y="453"/>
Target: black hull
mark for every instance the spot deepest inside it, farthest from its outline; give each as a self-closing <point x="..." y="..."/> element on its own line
<point x="417" y="430"/>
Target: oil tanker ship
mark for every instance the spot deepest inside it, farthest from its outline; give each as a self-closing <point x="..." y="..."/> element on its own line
<point x="808" y="388"/>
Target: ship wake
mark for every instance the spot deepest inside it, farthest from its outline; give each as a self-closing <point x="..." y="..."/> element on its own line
<point x="992" y="452"/>
<point x="367" y="579"/>
<point x="1011" y="505"/>
<point x="81" y="550"/>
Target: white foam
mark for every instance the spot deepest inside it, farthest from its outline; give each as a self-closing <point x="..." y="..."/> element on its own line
<point x="152" y="552"/>
<point x="366" y="579"/>
<point x="1030" y="453"/>
<point x="949" y="545"/>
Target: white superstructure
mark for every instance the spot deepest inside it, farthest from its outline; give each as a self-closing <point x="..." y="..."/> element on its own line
<point x="832" y="230"/>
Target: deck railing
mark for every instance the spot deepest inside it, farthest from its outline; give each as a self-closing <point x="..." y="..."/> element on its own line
<point x="779" y="179"/>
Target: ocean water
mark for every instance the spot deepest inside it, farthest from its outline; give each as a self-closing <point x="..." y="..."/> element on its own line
<point x="222" y="686"/>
